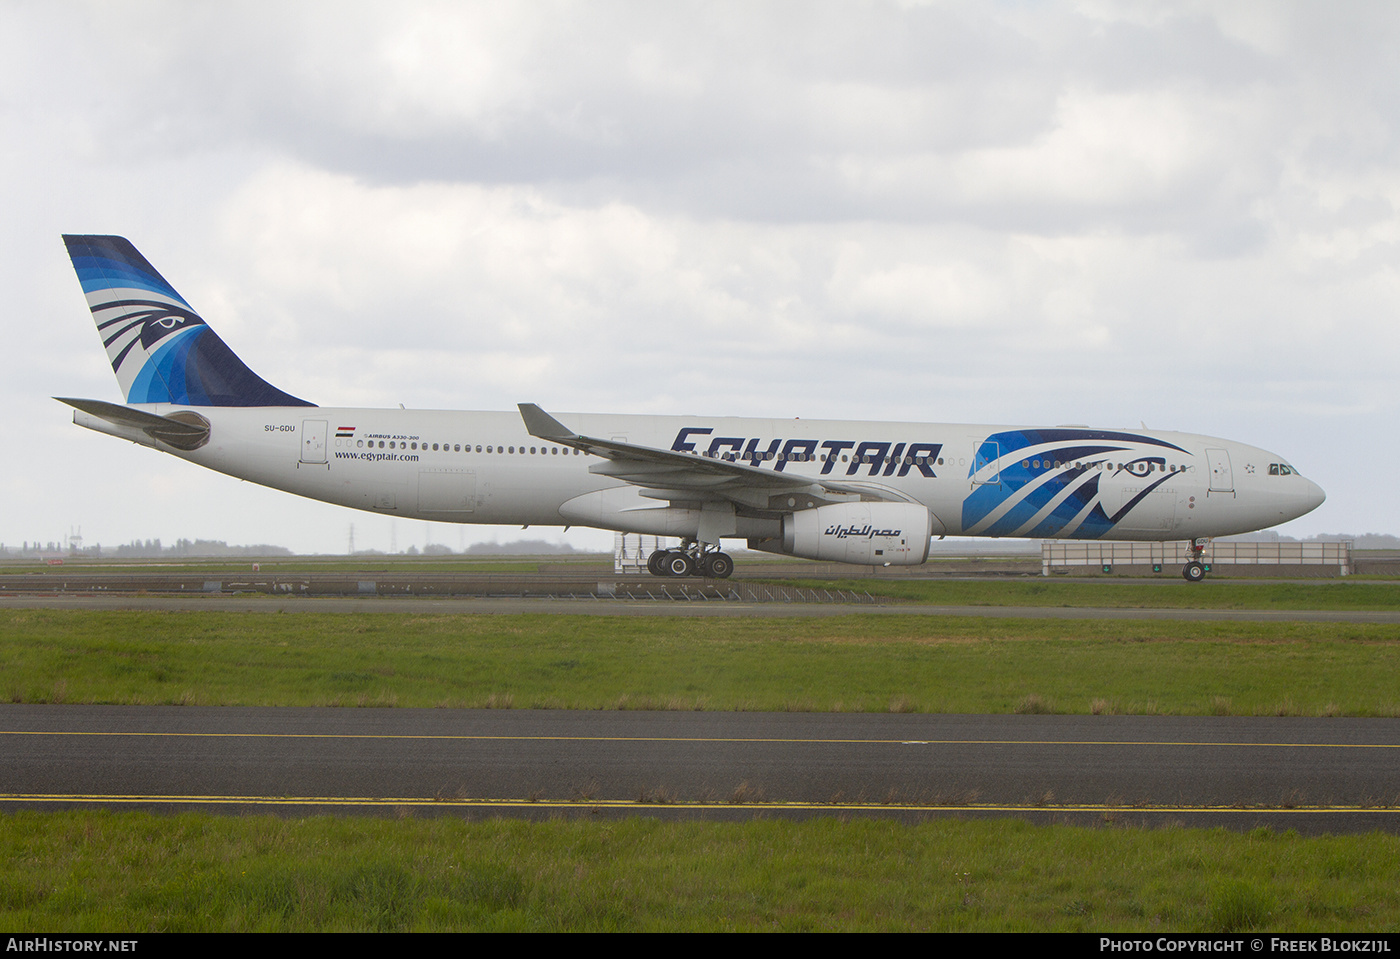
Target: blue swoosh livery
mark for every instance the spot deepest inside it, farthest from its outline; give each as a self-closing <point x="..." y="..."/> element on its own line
<point x="161" y="350"/>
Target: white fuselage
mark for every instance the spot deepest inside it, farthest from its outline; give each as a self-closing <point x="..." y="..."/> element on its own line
<point x="485" y="468"/>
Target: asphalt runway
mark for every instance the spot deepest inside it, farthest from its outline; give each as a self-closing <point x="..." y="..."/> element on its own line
<point x="1313" y="775"/>
<point x="609" y="607"/>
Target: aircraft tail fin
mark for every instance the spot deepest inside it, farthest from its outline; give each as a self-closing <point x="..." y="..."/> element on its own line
<point x="160" y="348"/>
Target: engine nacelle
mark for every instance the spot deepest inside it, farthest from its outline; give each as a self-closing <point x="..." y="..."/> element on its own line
<point x="866" y="534"/>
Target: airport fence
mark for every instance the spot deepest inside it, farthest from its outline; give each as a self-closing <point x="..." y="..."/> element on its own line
<point x="1172" y="555"/>
<point x="446" y="585"/>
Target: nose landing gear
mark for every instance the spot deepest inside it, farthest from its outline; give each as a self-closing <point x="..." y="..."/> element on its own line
<point x="1195" y="571"/>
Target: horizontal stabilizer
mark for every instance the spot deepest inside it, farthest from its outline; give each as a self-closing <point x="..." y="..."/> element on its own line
<point x="183" y="430"/>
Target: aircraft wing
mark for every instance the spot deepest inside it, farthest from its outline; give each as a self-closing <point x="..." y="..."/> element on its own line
<point x="670" y="475"/>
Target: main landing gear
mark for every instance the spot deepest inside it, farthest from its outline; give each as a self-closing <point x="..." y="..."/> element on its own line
<point x="690" y="560"/>
<point x="1194" y="571"/>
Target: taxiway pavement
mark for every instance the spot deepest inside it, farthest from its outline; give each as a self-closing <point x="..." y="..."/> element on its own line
<point x="1315" y="775"/>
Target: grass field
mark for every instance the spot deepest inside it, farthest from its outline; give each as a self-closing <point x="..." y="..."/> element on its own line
<point x="137" y="872"/>
<point x="858" y="663"/>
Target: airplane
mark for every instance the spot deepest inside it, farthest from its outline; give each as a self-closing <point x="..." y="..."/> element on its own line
<point x="863" y="493"/>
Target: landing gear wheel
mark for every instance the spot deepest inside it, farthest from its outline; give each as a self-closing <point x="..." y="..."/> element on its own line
<point x="1193" y="572"/>
<point x="718" y="565"/>
<point x="678" y="564"/>
<point x="655" y="563"/>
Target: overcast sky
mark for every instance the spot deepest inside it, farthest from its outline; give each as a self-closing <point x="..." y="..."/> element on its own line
<point x="1177" y="214"/>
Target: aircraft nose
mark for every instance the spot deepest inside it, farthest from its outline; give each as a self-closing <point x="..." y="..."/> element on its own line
<point x="1304" y="500"/>
<point x="1314" y="497"/>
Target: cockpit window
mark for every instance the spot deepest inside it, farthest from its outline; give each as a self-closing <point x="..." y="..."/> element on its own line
<point x="1280" y="469"/>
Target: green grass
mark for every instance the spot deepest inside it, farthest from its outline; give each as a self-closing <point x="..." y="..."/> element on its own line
<point x="1108" y="594"/>
<point x="856" y="662"/>
<point x="85" y="872"/>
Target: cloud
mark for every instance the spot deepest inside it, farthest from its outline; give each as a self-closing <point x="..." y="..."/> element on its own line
<point x="1184" y="212"/>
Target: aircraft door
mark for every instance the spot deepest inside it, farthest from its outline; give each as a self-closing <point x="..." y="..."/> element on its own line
<point x="985" y="472"/>
<point x="313" y="441"/>
<point x="1222" y="479"/>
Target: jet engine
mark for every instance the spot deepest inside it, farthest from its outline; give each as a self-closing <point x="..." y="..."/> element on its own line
<point x="867" y="534"/>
